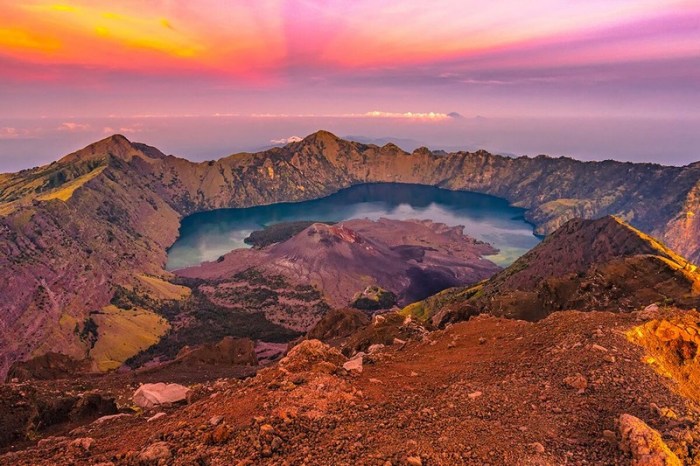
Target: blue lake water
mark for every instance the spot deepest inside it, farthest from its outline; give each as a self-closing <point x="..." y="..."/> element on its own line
<point x="207" y="235"/>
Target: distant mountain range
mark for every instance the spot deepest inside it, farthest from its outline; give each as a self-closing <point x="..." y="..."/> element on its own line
<point x="83" y="240"/>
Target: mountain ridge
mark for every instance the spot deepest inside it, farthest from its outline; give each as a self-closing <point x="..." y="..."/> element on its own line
<point x="601" y="264"/>
<point x="68" y="240"/>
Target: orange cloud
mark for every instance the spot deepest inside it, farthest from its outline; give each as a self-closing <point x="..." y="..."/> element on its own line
<point x="264" y="40"/>
<point x="135" y="36"/>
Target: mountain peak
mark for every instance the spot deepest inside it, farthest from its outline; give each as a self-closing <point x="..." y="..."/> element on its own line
<point x="321" y="136"/>
<point x="422" y="151"/>
<point x="116" y="145"/>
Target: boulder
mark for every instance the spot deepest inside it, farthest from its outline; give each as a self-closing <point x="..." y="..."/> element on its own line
<point x="644" y="444"/>
<point x="312" y="355"/>
<point x="354" y="363"/>
<point x="93" y="405"/>
<point x="150" y="395"/>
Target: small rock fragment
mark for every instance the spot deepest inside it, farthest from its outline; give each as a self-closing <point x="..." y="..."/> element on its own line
<point x="83" y="443"/>
<point x="355" y="363"/>
<point x="374" y="348"/>
<point x="155" y="417"/>
<point x="609" y="436"/>
<point x="266" y="429"/>
<point x="155" y="452"/>
<point x="111" y="417"/>
<point x="221" y="434"/>
<point x="578" y="381"/>
<point x="537" y="447"/>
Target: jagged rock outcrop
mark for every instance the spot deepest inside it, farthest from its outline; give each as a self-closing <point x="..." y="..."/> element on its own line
<point x="229" y="351"/>
<point x="673" y="348"/>
<point x="48" y="366"/>
<point x="28" y="410"/>
<point x="73" y="230"/>
<point x="337" y="325"/>
<point x="601" y="264"/>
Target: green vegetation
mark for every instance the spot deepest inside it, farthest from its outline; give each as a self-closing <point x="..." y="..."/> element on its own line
<point x="211" y="322"/>
<point x="89" y="333"/>
<point x="231" y="307"/>
<point x="123" y="298"/>
<point x="374" y="298"/>
<point x="255" y="277"/>
<point x="43" y="179"/>
<point x="424" y="310"/>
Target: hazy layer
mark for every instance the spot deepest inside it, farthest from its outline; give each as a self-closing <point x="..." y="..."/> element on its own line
<point x="27" y="143"/>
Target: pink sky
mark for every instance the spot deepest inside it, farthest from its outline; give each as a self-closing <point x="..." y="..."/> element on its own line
<point x="328" y="58"/>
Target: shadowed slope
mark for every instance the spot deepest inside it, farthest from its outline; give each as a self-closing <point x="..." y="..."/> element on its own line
<point x="599" y="264"/>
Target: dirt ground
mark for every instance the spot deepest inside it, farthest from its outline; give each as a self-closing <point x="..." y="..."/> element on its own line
<point x="487" y="391"/>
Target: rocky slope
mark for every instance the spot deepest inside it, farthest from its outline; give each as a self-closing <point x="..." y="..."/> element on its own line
<point x="99" y="220"/>
<point x="574" y="388"/>
<point x="413" y="259"/>
<point x="601" y="264"/>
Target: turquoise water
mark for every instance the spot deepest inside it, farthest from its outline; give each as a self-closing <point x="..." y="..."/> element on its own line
<point x="207" y="235"/>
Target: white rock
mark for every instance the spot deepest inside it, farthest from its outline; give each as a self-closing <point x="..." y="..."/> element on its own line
<point x="354" y="363"/>
<point x="155" y="416"/>
<point x="110" y="418"/>
<point x="150" y="395"/>
<point x="374" y="348"/>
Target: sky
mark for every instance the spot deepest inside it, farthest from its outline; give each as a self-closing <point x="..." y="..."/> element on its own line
<point x="593" y="80"/>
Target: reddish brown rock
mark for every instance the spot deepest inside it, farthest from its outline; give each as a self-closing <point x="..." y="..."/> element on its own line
<point x="644" y="444"/>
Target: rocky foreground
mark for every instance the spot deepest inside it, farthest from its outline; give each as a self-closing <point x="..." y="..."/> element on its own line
<point x="574" y="388"/>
